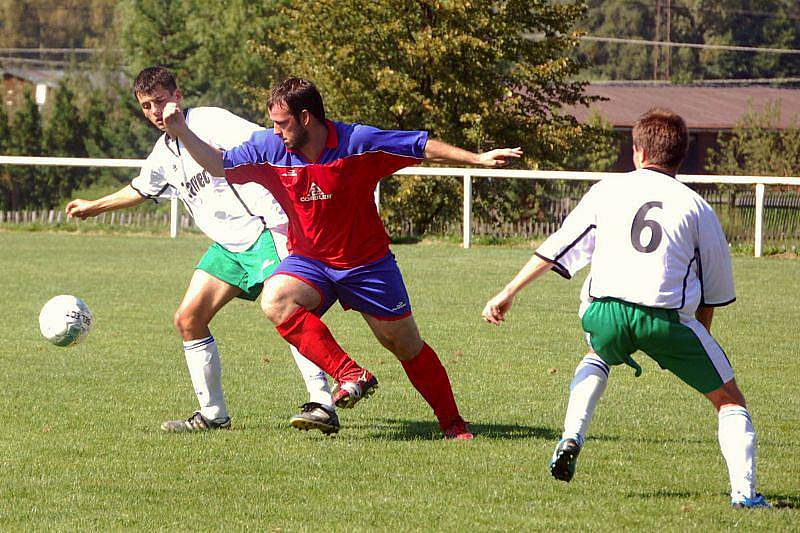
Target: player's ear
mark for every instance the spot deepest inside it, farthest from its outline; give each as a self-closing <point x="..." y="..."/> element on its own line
<point x="305" y="117"/>
<point x="638" y="156"/>
<point x="178" y="96"/>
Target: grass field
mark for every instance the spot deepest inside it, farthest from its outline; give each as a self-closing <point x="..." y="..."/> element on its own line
<point x="82" y="450"/>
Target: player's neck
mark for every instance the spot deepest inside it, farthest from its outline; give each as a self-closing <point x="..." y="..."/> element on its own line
<point x="317" y="138"/>
<point x="672" y="172"/>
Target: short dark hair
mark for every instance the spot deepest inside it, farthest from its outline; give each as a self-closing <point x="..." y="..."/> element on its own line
<point x="152" y="78"/>
<point x="663" y="136"/>
<point x="298" y="94"/>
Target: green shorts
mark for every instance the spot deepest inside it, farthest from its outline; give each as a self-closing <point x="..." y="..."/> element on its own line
<point x="617" y="329"/>
<point x="246" y="270"/>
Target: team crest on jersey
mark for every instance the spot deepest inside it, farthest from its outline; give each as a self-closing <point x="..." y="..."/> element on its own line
<point x="315" y="193"/>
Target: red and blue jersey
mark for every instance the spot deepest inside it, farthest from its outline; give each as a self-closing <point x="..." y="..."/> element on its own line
<point x="329" y="203"/>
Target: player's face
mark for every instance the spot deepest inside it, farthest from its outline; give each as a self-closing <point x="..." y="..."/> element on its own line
<point x="153" y="104"/>
<point x="293" y="133"/>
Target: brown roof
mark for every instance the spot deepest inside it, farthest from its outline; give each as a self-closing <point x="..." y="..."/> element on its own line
<point x="701" y="107"/>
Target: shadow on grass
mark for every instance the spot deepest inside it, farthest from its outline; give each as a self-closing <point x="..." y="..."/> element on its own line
<point x="395" y="429"/>
<point x="779" y="501"/>
<point x="784" y="501"/>
<point x="659" y="494"/>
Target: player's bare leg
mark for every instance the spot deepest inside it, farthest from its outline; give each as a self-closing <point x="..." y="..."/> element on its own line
<point x="288" y="303"/>
<point x="737" y="440"/>
<point x="424" y="370"/>
<point x="204" y="297"/>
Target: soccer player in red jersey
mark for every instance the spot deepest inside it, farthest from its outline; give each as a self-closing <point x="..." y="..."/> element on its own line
<point x="324" y="174"/>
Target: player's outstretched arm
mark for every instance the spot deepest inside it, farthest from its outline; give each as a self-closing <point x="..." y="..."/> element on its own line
<point x="495" y="310"/>
<point x="441" y="152"/>
<point x="125" y="197"/>
<point x="210" y="158"/>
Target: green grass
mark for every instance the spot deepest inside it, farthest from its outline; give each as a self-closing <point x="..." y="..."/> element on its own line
<point x="81" y="449"/>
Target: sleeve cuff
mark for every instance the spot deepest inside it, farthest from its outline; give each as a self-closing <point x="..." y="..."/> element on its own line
<point x="721" y="304"/>
<point x="558" y="268"/>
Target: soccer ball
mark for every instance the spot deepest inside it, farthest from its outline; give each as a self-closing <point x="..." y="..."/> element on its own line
<point x="65" y="320"/>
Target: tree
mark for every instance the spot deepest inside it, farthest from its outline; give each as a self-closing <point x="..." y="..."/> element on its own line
<point x="758" y="147"/>
<point x="5" y="175"/>
<point x="153" y="32"/>
<point x="766" y="24"/>
<point x="208" y="48"/>
<point x="24" y="139"/>
<point x="230" y="42"/>
<point x="64" y="135"/>
<point x="476" y="74"/>
<point x="54" y="23"/>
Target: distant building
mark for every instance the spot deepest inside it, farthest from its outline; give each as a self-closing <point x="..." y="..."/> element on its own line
<point x="40" y="82"/>
<point x="708" y="111"/>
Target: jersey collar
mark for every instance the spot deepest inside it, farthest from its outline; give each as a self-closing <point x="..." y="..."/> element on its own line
<point x="332" y="140"/>
<point x="660" y="171"/>
<point x="169" y="141"/>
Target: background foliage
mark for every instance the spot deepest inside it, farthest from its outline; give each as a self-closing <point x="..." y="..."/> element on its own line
<point x="766" y="23"/>
<point x="757" y="147"/>
<point x="476" y="74"/>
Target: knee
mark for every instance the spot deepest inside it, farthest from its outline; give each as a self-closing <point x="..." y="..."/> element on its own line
<point x="277" y="307"/>
<point x="727" y="394"/>
<point x="185" y="321"/>
<point x="402" y="346"/>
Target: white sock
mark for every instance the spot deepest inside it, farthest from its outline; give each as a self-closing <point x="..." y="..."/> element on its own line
<point x="588" y="385"/>
<point x="315" y="379"/>
<point x="737" y="440"/>
<point x="205" y="368"/>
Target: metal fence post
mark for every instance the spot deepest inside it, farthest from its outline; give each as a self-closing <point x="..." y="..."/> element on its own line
<point x="173" y="215"/>
<point x="467" y="210"/>
<point x="759" y="217"/>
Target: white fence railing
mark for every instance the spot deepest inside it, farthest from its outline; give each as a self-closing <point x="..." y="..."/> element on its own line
<point x="466" y="174"/>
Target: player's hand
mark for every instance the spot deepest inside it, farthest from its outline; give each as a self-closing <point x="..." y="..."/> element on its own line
<point x="174" y="121"/>
<point x="499" y="157"/>
<point x="80" y="208"/>
<point x="495" y="310"/>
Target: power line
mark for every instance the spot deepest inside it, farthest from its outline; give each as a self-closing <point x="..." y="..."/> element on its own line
<point x="731" y="48"/>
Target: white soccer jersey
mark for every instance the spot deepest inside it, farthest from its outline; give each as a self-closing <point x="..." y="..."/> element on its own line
<point x="232" y="218"/>
<point x="651" y="241"/>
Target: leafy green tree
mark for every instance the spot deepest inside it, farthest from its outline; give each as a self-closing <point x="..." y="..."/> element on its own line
<point x="54" y="23"/>
<point x="5" y="175"/>
<point x="224" y="65"/>
<point x="206" y="45"/>
<point x="766" y="24"/>
<point x="758" y="147"/>
<point x="24" y="139"/>
<point x="114" y="128"/>
<point x="153" y="32"/>
<point x="476" y="74"/>
<point x="64" y="135"/>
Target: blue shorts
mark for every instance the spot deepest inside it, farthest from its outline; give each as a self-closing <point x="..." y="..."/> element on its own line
<point x="376" y="289"/>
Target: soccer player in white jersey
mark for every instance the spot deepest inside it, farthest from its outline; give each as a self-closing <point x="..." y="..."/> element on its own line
<point x="249" y="243"/>
<point x="660" y="265"/>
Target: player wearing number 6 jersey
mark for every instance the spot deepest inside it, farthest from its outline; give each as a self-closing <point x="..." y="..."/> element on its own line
<point x="248" y="228"/>
<point x="659" y="266"/>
